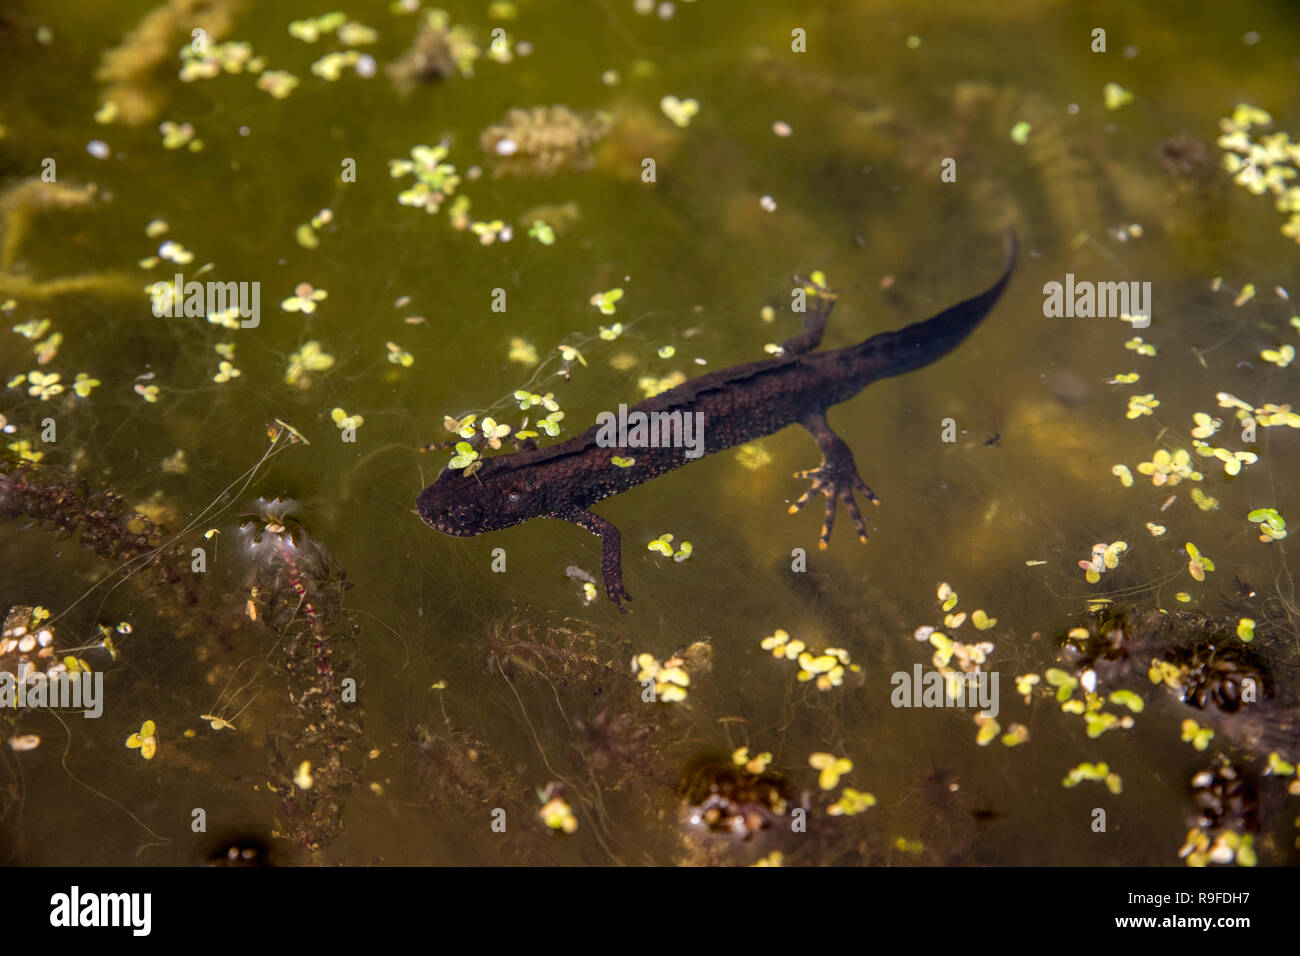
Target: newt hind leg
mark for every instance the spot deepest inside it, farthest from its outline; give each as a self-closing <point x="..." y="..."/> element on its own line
<point x="836" y="477"/>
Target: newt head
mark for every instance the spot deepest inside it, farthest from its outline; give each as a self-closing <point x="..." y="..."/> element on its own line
<point x="490" y="499"/>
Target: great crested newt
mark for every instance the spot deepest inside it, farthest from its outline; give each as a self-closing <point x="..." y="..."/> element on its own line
<point x="732" y="406"/>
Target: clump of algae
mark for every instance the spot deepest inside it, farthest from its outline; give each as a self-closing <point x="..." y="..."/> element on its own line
<point x="543" y="140"/>
<point x="130" y="71"/>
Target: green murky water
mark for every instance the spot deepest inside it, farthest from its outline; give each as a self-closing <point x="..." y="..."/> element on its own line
<point x="475" y="690"/>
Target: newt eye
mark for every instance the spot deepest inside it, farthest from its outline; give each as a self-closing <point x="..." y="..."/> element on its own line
<point x="514" y="497"/>
<point x="462" y="515"/>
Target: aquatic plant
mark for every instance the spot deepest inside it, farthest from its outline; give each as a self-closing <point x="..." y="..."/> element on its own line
<point x="439" y="50"/>
<point x="293" y="588"/>
<point x="297" y="591"/>
<point x="543" y="140"/>
<point x="130" y="71"/>
<point x="723" y="799"/>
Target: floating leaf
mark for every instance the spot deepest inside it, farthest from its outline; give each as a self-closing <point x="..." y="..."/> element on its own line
<point x="146" y="740"/>
<point x="465" y="454"/>
<point x="1115" y="96"/>
<point x="832" y="769"/>
<point x="1127" y="698"/>
<point x="681" y="112"/>
<point x="1063" y="682"/>
<point x="542" y="232"/>
<point x="607" y="301"/>
<point x="1198" y="736"/>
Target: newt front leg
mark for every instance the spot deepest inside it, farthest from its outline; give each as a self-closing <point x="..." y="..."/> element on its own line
<point x="610" y="552"/>
<point x="836" y="477"/>
<point x="814" y="325"/>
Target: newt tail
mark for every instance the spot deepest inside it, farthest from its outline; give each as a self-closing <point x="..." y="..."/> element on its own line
<point x="705" y="415"/>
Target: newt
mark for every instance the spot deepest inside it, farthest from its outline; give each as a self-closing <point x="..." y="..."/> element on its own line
<point x="732" y="406"/>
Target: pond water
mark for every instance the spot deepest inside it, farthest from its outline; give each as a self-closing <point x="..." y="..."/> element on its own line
<point x="299" y="667"/>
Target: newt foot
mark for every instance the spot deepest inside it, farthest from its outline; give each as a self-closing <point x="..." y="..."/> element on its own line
<point x="615" y="591"/>
<point x="838" y="483"/>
